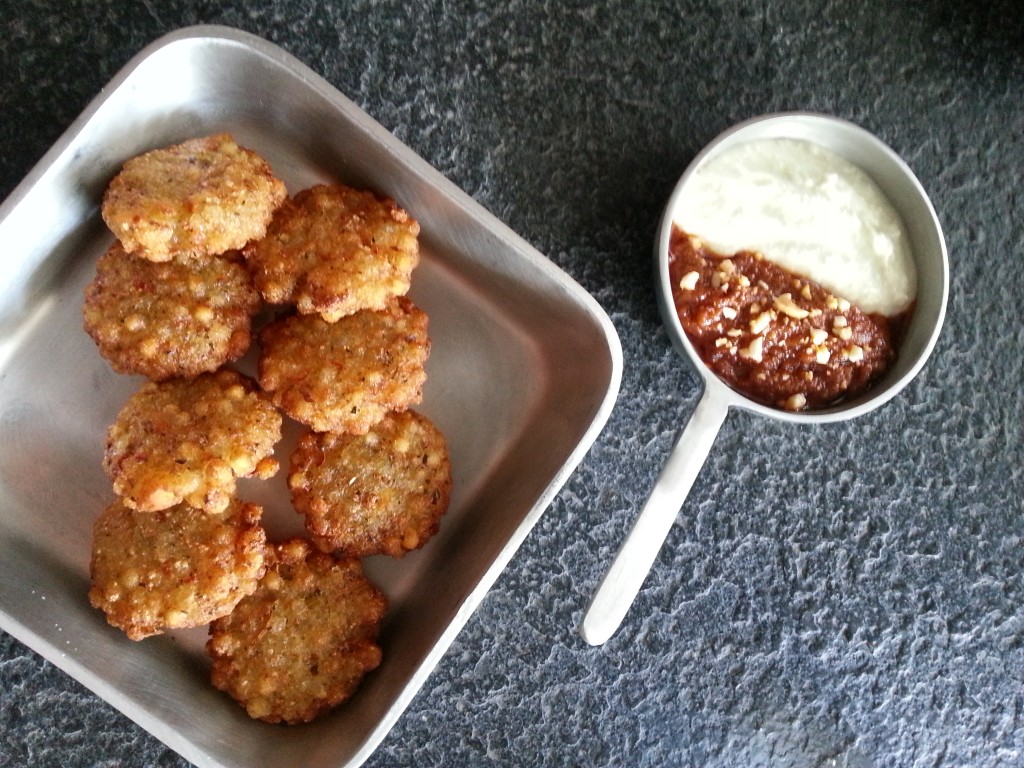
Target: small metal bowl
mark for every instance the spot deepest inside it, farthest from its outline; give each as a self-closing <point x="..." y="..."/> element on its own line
<point x="898" y="183"/>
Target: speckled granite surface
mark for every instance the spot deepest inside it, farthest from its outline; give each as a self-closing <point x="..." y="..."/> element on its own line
<point x="849" y="595"/>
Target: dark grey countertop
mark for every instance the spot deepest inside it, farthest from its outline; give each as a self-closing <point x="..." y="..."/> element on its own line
<point x="846" y="595"/>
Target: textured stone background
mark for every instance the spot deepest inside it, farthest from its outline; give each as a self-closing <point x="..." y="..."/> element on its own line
<point x="849" y="595"/>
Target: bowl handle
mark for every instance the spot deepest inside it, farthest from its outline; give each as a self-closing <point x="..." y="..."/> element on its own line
<point x="628" y="571"/>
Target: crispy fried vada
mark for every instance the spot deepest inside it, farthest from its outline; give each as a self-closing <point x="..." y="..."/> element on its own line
<point x="178" y="567"/>
<point x="379" y="493"/>
<point x="344" y="376"/>
<point x="203" y="196"/>
<point x="303" y="641"/>
<point x="335" y="250"/>
<point x="171" y="318"/>
<point x="189" y="439"/>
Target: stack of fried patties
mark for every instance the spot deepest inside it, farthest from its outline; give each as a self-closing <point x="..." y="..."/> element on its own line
<point x="206" y="239"/>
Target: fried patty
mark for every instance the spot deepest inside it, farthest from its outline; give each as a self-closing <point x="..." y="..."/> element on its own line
<point x="303" y="641"/>
<point x="189" y="439"/>
<point x="178" y="567"/>
<point x="166" y="319"/>
<point x="200" y="197"/>
<point x="345" y="376"/>
<point x="334" y="250"/>
<point x="379" y="493"/>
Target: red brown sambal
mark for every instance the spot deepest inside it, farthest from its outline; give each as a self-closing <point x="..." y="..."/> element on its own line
<point x="776" y="337"/>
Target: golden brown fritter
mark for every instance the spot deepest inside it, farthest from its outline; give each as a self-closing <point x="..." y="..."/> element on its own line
<point x="173" y="318"/>
<point x="179" y="567"/>
<point x="334" y="250"/>
<point x="200" y="197"/>
<point x="303" y="641"/>
<point x="189" y="439"/>
<point x="379" y="493"/>
<point x="344" y="376"/>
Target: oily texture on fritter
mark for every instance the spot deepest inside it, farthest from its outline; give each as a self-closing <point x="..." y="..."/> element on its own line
<point x="173" y="318"/>
<point x="189" y="439"/>
<point x="379" y="493"/>
<point x="344" y="376"/>
<point x="334" y="250"/>
<point x="303" y="641"/>
<point x="203" y="196"/>
<point x="178" y="567"/>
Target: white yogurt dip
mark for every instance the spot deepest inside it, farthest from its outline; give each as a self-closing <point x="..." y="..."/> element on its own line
<point x="808" y="210"/>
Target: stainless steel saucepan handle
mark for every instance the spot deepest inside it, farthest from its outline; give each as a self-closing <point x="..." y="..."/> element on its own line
<point x="628" y="571"/>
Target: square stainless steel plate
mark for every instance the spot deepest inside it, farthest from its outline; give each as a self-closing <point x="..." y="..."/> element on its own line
<point x="524" y="371"/>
